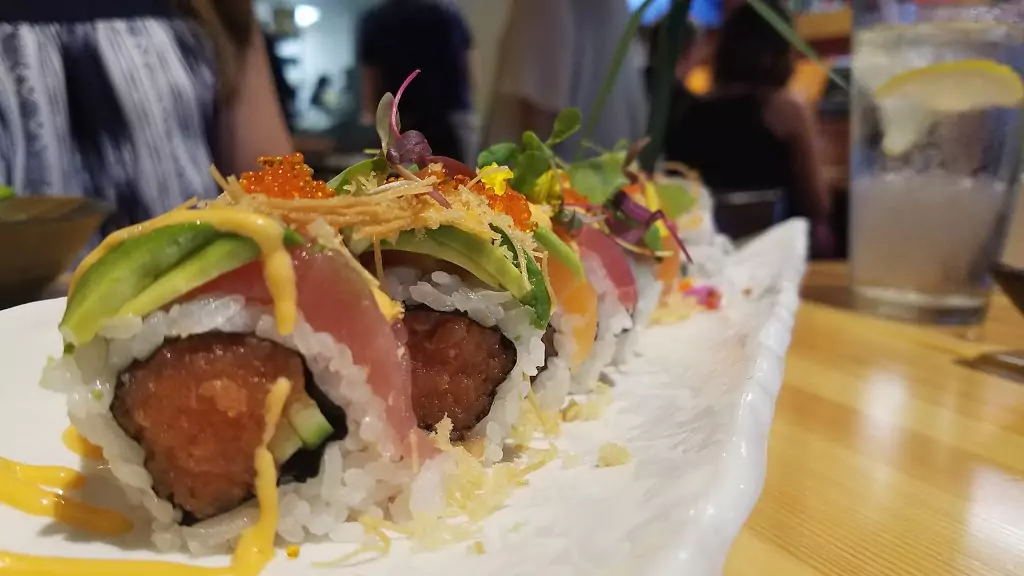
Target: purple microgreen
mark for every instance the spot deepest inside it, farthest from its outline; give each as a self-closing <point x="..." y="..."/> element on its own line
<point x="674" y="233"/>
<point x="400" y="148"/>
<point x="394" y="106"/>
<point x="437" y="196"/>
<point x="433" y="192"/>
<point x="632" y="175"/>
<point x="413" y="147"/>
<point x="634" y="150"/>
<point x="405" y="173"/>
<point x="642" y="216"/>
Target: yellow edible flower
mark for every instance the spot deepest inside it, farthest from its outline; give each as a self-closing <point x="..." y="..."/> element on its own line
<point x="495" y="177"/>
<point x="549" y="186"/>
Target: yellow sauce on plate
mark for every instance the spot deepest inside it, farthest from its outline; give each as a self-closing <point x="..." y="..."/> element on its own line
<point x="266" y="232"/>
<point x="79" y="445"/>
<point x="254" y="551"/>
<point x="22" y="487"/>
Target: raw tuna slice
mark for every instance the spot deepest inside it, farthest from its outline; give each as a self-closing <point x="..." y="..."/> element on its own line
<point x="334" y="299"/>
<point x="595" y="246"/>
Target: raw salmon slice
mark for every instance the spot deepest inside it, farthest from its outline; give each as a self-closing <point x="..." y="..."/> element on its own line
<point x="577" y="301"/>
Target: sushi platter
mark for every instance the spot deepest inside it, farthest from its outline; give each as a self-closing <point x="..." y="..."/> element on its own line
<point x="522" y="367"/>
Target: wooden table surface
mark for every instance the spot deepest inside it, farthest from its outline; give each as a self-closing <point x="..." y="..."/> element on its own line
<point x="886" y="456"/>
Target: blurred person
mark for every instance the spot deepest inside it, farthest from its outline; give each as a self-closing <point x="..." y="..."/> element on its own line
<point x="706" y="17"/>
<point x="749" y="133"/>
<point x="285" y="91"/>
<point x="321" y="97"/>
<point x="401" y="36"/>
<point x="554" y="55"/>
<point x="131" y="101"/>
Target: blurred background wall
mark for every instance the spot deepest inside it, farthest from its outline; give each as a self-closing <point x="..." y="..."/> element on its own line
<point x="487" y="20"/>
<point x="316" y="39"/>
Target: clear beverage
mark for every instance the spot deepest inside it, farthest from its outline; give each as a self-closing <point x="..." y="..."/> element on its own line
<point x="932" y="180"/>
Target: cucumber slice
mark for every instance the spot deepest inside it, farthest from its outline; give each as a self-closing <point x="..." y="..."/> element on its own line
<point x="285" y="443"/>
<point x="310" y="425"/>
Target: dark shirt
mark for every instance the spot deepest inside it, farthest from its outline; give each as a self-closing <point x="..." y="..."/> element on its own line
<point x="401" y="36"/>
<point x="727" y="141"/>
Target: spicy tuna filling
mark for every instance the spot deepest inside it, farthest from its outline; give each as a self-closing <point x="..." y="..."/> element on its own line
<point x="457" y="366"/>
<point x="196" y="408"/>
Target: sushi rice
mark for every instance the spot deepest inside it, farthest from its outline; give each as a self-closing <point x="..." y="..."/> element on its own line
<point x="648" y="289"/>
<point x="444" y="292"/>
<point x="552" y="385"/>
<point x="612" y="321"/>
<point x="356" y="477"/>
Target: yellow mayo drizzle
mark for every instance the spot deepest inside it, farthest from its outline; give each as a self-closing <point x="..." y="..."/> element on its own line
<point x="266" y="232"/>
<point x="21" y="487"/>
<point x="389" y="308"/>
<point x="76" y="443"/>
<point x="254" y="551"/>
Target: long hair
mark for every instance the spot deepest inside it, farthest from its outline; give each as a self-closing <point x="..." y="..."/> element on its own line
<point x="751" y="52"/>
<point x="230" y="27"/>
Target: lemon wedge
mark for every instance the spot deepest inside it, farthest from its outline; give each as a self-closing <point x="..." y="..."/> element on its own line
<point x="956" y="86"/>
<point x="910" y="101"/>
<point x="904" y="124"/>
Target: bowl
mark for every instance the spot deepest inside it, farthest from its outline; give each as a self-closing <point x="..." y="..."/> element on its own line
<point x="40" y="237"/>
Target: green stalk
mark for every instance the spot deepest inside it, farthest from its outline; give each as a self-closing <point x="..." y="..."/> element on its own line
<point x="625" y="40"/>
<point x="789" y="33"/>
<point x="669" y="43"/>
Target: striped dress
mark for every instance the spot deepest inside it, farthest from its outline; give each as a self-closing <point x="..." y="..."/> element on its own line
<point x="111" y="99"/>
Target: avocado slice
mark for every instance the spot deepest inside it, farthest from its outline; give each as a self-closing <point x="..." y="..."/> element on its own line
<point x="220" y="257"/>
<point x="538" y="298"/>
<point x="412" y="241"/>
<point x="126" y="271"/>
<point x="476" y="255"/>
<point x="559" y="249"/>
<point x="307" y="421"/>
<point x="285" y="443"/>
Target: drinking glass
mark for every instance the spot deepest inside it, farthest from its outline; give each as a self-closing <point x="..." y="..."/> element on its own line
<point x="935" y="154"/>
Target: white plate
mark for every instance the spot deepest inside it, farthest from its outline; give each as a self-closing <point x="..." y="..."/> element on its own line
<point x="694" y="411"/>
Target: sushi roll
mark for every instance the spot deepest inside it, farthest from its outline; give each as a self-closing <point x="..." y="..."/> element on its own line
<point x="468" y="257"/>
<point x="457" y="250"/>
<point x="574" y="320"/>
<point x="478" y="305"/>
<point x="612" y="277"/>
<point x="596" y="308"/>
<point x="175" y="331"/>
<point x="636" y="222"/>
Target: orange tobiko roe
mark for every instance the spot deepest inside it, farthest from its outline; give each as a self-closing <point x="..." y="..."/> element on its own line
<point x="287" y="177"/>
<point x="511" y="203"/>
<point x="577" y="299"/>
